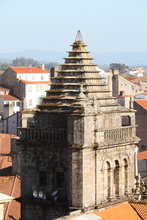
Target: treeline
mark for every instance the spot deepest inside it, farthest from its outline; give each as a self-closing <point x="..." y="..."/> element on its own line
<point x="26" y="62"/>
<point x="121" y="67"/>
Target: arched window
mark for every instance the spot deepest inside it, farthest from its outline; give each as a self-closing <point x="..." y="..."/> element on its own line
<point x="116" y="178"/>
<point x="108" y="179"/>
<point x="125" y="177"/>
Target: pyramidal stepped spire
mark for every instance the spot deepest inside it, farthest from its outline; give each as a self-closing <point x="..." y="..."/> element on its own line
<point x="77" y="78"/>
<point x="78" y="36"/>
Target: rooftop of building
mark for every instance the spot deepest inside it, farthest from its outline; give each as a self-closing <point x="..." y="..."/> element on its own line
<point x="35" y="82"/>
<point x="142" y="103"/>
<point x="5" y="158"/>
<point x="9" y="98"/>
<point x="4" y="89"/>
<point x="136" y="80"/>
<point x="123" y="211"/>
<point x="10" y="185"/>
<point x="28" y="70"/>
<point x="141" y="209"/>
<point x="142" y="155"/>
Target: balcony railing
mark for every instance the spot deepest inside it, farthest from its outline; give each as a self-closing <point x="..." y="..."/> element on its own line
<point x="43" y="135"/>
<point x="119" y="135"/>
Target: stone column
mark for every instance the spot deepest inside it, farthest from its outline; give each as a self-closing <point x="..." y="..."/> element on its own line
<point x="111" y="184"/>
<point x="121" y="181"/>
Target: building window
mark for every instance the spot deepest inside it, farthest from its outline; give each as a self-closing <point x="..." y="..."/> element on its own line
<point x="30" y="102"/>
<point x="33" y="77"/>
<point x="126" y="120"/>
<point x="18" y="104"/>
<point x="42" y="77"/>
<point x="30" y="88"/>
<point x="59" y="179"/>
<point x="13" y="103"/>
<point x="42" y="178"/>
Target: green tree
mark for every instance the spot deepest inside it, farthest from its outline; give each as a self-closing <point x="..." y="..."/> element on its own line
<point x="23" y="61"/>
<point x="121" y="67"/>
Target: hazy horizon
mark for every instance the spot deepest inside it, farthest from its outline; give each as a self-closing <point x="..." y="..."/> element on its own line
<point x="106" y="26"/>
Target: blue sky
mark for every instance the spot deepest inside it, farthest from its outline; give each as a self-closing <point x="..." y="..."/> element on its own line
<point x="106" y="25"/>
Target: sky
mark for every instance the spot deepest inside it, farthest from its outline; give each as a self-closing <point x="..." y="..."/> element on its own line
<point x="106" y="25"/>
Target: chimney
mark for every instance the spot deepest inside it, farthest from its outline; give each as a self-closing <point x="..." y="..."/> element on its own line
<point x="42" y="66"/>
<point x="115" y="71"/>
<point x="115" y="83"/>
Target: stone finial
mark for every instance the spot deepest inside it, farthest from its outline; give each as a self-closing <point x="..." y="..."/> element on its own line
<point x="79" y="36"/>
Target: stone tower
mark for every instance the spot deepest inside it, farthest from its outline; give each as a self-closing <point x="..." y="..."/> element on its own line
<point x="78" y="150"/>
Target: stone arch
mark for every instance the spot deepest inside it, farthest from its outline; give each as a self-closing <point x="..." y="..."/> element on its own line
<point x="104" y="163"/>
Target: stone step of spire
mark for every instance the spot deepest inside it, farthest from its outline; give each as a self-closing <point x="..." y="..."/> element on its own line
<point x="78" y="82"/>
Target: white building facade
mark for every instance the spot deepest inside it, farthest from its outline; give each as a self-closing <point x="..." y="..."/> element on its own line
<point x="27" y="83"/>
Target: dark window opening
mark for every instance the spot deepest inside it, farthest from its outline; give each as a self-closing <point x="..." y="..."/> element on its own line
<point x="17" y="103"/>
<point x="126" y="176"/>
<point x="126" y="120"/>
<point x="60" y="179"/>
<point x="42" y="178"/>
<point x="116" y="178"/>
<point x="108" y="179"/>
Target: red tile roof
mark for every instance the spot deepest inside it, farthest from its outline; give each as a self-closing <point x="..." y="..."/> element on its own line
<point x="5" y="143"/>
<point x="9" y="98"/>
<point x="10" y="185"/>
<point x="5" y="148"/>
<point x="35" y="82"/>
<point x="119" y="212"/>
<point x="142" y="103"/>
<point x="136" y="80"/>
<point x="124" y="96"/>
<point x="28" y="70"/>
<point x="142" y="155"/>
<point x="141" y="209"/>
<point x="4" y="89"/>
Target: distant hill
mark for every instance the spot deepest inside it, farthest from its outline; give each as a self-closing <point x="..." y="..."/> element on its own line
<point x="128" y="58"/>
<point x="40" y="55"/>
<point x="4" y="60"/>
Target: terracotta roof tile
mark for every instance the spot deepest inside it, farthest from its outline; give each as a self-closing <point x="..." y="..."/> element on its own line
<point x="5" y="162"/>
<point x="10" y="185"/>
<point x="35" y="82"/>
<point x="4" y="89"/>
<point x="136" y="80"/>
<point x="119" y="212"/>
<point x="141" y="209"/>
<point x="5" y="158"/>
<point x="28" y="70"/>
<point x="142" y="103"/>
<point x="9" y="97"/>
<point x="142" y="155"/>
<point x="5" y="142"/>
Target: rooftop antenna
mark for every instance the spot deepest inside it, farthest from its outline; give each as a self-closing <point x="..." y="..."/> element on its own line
<point x="79" y="36"/>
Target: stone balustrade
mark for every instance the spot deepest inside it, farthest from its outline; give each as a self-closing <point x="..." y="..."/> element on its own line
<point x="118" y="135"/>
<point x="43" y="135"/>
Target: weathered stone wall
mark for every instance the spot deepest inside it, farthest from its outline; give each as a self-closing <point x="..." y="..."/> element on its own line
<point x="141" y="130"/>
